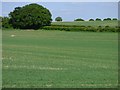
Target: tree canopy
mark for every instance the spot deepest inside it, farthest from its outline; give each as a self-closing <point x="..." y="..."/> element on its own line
<point x="114" y="19"/>
<point x="106" y="19"/>
<point x="91" y="19"/>
<point x="98" y="19"/>
<point x="58" y="19"/>
<point x="79" y="19"/>
<point x="32" y="16"/>
<point x="5" y="22"/>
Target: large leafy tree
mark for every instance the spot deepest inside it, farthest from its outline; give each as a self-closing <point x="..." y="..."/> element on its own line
<point x="32" y="16"/>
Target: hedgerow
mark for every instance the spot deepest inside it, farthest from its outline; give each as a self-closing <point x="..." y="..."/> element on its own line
<point x="82" y="28"/>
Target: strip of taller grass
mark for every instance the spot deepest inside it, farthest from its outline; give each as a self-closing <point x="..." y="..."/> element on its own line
<point x="111" y="23"/>
<point x="82" y="28"/>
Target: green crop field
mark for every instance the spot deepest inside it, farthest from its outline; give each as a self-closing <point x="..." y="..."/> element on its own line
<point x="56" y="59"/>
<point x="88" y="23"/>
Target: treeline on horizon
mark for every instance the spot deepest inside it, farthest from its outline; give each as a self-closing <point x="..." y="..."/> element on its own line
<point x="80" y="19"/>
<point x="5" y="25"/>
<point x="35" y="16"/>
<point x="97" y="19"/>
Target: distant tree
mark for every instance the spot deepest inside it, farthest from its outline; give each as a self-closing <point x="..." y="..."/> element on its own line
<point x="58" y="19"/>
<point x="114" y="19"/>
<point x="104" y="19"/>
<point x="32" y="16"/>
<point x="79" y="19"/>
<point x="98" y="19"/>
<point x="91" y="19"/>
<point x="107" y="19"/>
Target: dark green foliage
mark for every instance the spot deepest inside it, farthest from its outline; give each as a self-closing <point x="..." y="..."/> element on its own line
<point x="79" y="19"/>
<point x="5" y="23"/>
<point x="32" y="16"/>
<point x="98" y="19"/>
<point x="91" y="19"/>
<point x="99" y="29"/>
<point x="58" y="19"/>
<point x="110" y="29"/>
<point x="114" y="19"/>
<point x="82" y="28"/>
<point x="106" y="19"/>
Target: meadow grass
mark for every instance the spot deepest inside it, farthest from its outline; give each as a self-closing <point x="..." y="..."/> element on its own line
<point x="59" y="59"/>
<point x="111" y="23"/>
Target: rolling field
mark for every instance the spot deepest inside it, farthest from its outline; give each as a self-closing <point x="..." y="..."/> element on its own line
<point x="59" y="59"/>
<point x="88" y="23"/>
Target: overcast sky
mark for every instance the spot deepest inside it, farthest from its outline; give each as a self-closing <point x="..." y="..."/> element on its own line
<point x="71" y="10"/>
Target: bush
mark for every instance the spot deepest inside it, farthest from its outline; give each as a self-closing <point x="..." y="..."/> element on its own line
<point x="5" y="23"/>
<point x="99" y="29"/>
<point x="82" y="28"/>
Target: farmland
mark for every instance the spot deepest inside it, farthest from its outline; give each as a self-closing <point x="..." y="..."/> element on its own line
<point x="50" y="59"/>
<point x="86" y="26"/>
<point x="111" y="23"/>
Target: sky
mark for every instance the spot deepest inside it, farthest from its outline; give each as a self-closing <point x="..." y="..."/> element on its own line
<point x="60" y="0"/>
<point x="70" y="11"/>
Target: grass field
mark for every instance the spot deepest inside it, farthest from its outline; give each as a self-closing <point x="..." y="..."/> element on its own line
<point x="88" y="23"/>
<point x="50" y="59"/>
